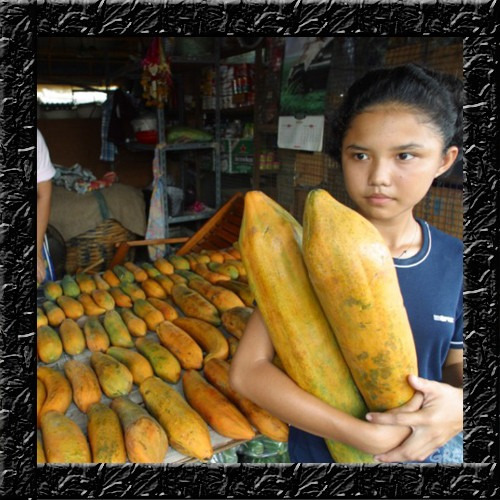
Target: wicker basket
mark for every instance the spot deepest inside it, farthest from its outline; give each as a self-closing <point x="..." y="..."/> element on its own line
<point x="96" y="245"/>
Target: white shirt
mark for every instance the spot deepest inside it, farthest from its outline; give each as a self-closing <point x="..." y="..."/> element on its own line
<point x="44" y="168"/>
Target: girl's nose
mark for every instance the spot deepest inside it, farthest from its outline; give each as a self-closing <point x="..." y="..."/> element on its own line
<point x="380" y="173"/>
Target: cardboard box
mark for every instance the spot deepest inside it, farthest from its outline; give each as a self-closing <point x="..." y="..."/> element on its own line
<point x="237" y="156"/>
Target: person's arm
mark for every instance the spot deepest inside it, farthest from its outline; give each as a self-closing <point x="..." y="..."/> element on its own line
<point x="44" y="192"/>
<point x="436" y="422"/>
<point x="254" y="376"/>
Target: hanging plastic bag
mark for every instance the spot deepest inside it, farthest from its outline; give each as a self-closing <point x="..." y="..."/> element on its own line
<point x="156" y="221"/>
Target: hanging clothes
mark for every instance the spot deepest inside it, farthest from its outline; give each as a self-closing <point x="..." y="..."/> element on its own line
<point x="108" y="148"/>
<point x="156" y="220"/>
<point x="123" y="112"/>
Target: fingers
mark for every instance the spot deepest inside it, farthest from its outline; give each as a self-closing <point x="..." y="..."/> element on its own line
<point x="392" y="418"/>
<point x="418" y="383"/>
<point x="413" y="405"/>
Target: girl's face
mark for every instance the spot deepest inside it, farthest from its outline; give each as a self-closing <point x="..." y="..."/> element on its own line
<point x="390" y="156"/>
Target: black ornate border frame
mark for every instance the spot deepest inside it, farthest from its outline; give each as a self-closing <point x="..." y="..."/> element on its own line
<point x="21" y="22"/>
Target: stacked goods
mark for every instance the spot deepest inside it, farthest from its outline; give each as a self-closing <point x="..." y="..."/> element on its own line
<point x="338" y="288"/>
<point x="144" y="331"/>
<point x="85" y="282"/>
<point x="90" y="307"/>
<point x="194" y="305"/>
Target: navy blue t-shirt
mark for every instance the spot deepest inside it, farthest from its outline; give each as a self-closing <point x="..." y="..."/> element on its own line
<point x="431" y="283"/>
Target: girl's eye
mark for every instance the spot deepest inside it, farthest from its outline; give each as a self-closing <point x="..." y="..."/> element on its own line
<point x="405" y="156"/>
<point x="360" y="156"/>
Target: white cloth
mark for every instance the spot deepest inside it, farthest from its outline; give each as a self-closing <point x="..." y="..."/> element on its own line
<point x="44" y="168"/>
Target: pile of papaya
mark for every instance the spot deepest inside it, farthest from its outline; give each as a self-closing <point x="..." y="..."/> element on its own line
<point x="158" y="326"/>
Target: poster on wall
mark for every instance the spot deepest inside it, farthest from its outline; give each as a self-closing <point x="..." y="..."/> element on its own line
<point x="306" y="65"/>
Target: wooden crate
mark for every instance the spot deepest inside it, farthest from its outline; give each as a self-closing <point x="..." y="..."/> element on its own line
<point x="220" y="231"/>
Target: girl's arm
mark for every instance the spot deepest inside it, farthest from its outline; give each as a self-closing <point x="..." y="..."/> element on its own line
<point x="44" y="192"/>
<point x="255" y="376"/>
<point x="436" y="421"/>
<point x="453" y="369"/>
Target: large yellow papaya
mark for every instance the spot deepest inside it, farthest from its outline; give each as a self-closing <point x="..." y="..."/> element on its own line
<point x="187" y="432"/>
<point x="270" y="243"/>
<point x="63" y="440"/>
<point x="145" y="439"/>
<point x="105" y="435"/>
<point x="49" y="344"/>
<point x="353" y="274"/>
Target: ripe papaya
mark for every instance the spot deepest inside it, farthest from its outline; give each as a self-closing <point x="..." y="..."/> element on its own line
<point x="48" y="343"/>
<point x="105" y="434"/>
<point x="145" y="439"/>
<point x="271" y="248"/>
<point x="353" y="275"/>
<point x="114" y="377"/>
<point x="187" y="432"/>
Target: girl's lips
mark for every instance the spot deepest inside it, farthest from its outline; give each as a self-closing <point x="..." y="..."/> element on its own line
<point x="378" y="199"/>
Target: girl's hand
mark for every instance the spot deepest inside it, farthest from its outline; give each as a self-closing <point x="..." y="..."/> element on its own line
<point x="435" y="415"/>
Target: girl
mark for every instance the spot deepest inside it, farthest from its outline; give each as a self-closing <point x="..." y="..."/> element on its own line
<point x="397" y="130"/>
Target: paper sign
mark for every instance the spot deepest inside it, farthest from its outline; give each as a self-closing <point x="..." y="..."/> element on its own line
<point x="304" y="134"/>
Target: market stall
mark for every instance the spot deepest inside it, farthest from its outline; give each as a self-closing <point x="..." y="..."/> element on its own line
<point x="153" y="227"/>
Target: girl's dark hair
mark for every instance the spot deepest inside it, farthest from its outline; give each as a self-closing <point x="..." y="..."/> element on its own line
<point x="437" y="95"/>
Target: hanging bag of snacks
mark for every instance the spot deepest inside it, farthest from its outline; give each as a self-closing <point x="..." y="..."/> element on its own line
<point x="156" y="78"/>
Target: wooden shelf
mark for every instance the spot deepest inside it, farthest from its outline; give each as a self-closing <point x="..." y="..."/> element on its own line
<point x="181" y="146"/>
<point x="243" y="110"/>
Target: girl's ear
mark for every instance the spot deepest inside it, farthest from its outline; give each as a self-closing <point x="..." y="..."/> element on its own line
<point x="448" y="160"/>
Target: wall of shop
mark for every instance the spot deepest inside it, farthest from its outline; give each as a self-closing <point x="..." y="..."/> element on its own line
<point x="75" y="139"/>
